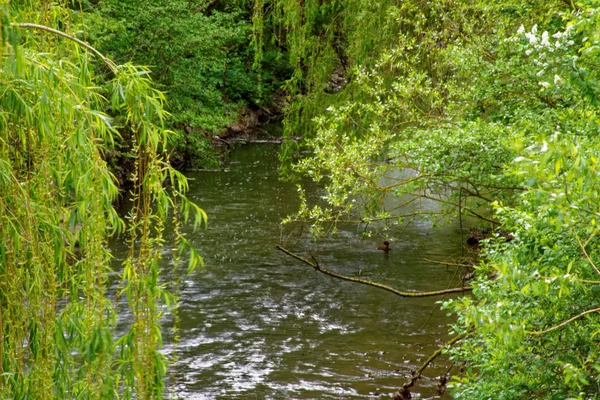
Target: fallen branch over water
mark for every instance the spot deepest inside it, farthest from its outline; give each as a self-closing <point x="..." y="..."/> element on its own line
<point x="315" y="265"/>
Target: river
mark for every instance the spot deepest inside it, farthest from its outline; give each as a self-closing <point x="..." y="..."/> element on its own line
<point x="258" y="324"/>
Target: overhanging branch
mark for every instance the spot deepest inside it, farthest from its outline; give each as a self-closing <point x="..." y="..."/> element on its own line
<point x="317" y="267"/>
<point x="106" y="60"/>
<point x="562" y="323"/>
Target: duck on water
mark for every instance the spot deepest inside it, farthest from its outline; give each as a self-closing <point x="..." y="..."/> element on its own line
<point x="385" y="246"/>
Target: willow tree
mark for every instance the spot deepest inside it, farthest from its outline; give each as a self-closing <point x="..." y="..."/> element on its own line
<point x="56" y="214"/>
<point x="380" y="88"/>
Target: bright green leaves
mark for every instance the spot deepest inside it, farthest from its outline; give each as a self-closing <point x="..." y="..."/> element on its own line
<point x="541" y="318"/>
<point x="56" y="217"/>
<point x="399" y="126"/>
<point x="151" y="199"/>
<point x="490" y="110"/>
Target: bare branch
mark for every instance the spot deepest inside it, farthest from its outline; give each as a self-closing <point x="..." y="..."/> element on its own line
<point x="403" y="392"/>
<point x="404" y="182"/>
<point x="317" y="267"/>
<point x="439" y="200"/>
<point x="448" y="263"/>
<point x="585" y="253"/>
<point x="562" y="323"/>
<point x="436" y="354"/>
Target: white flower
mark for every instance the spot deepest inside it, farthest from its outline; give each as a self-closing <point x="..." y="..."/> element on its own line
<point x="557" y="79"/>
<point x="531" y="37"/>
<point x="545" y="41"/>
<point x="528" y="52"/>
<point x="544" y="84"/>
<point x="557" y="35"/>
<point x="570" y="43"/>
<point x="534" y="29"/>
<point x="521" y="30"/>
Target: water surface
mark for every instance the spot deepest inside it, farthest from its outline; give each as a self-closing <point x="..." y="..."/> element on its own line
<point x="258" y="324"/>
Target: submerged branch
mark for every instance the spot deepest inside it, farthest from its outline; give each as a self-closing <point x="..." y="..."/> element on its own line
<point x="403" y="392"/>
<point x="447" y="263"/>
<point x="317" y="267"/>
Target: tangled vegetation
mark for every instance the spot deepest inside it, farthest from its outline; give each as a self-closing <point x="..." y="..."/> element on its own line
<point x="490" y="109"/>
<point x="200" y="56"/>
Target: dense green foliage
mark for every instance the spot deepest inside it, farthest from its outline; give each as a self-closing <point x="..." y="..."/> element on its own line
<point x="536" y="325"/>
<point x="199" y="54"/>
<point x="491" y="109"/>
<point x="57" y="323"/>
<point x="191" y="54"/>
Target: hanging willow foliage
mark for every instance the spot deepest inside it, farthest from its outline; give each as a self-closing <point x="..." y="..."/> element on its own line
<point x="56" y="215"/>
<point x="324" y="43"/>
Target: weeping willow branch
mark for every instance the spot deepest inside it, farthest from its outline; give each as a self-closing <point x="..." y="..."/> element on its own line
<point x="317" y="267"/>
<point x="106" y="60"/>
<point x="562" y="323"/>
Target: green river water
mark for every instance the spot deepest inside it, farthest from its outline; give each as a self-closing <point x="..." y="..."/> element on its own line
<point x="258" y="324"/>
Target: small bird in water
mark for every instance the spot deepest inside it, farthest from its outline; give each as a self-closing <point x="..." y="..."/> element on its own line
<point x="385" y="246"/>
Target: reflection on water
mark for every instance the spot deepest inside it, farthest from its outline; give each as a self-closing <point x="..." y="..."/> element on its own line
<point x="257" y="324"/>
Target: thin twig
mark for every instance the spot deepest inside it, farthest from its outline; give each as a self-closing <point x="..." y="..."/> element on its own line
<point x="562" y="323"/>
<point x="447" y="263"/>
<point x="435" y="307"/>
<point x="317" y="267"/>
<point x="589" y="239"/>
<point x="585" y="253"/>
<point x="417" y="374"/>
<point x="441" y="389"/>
